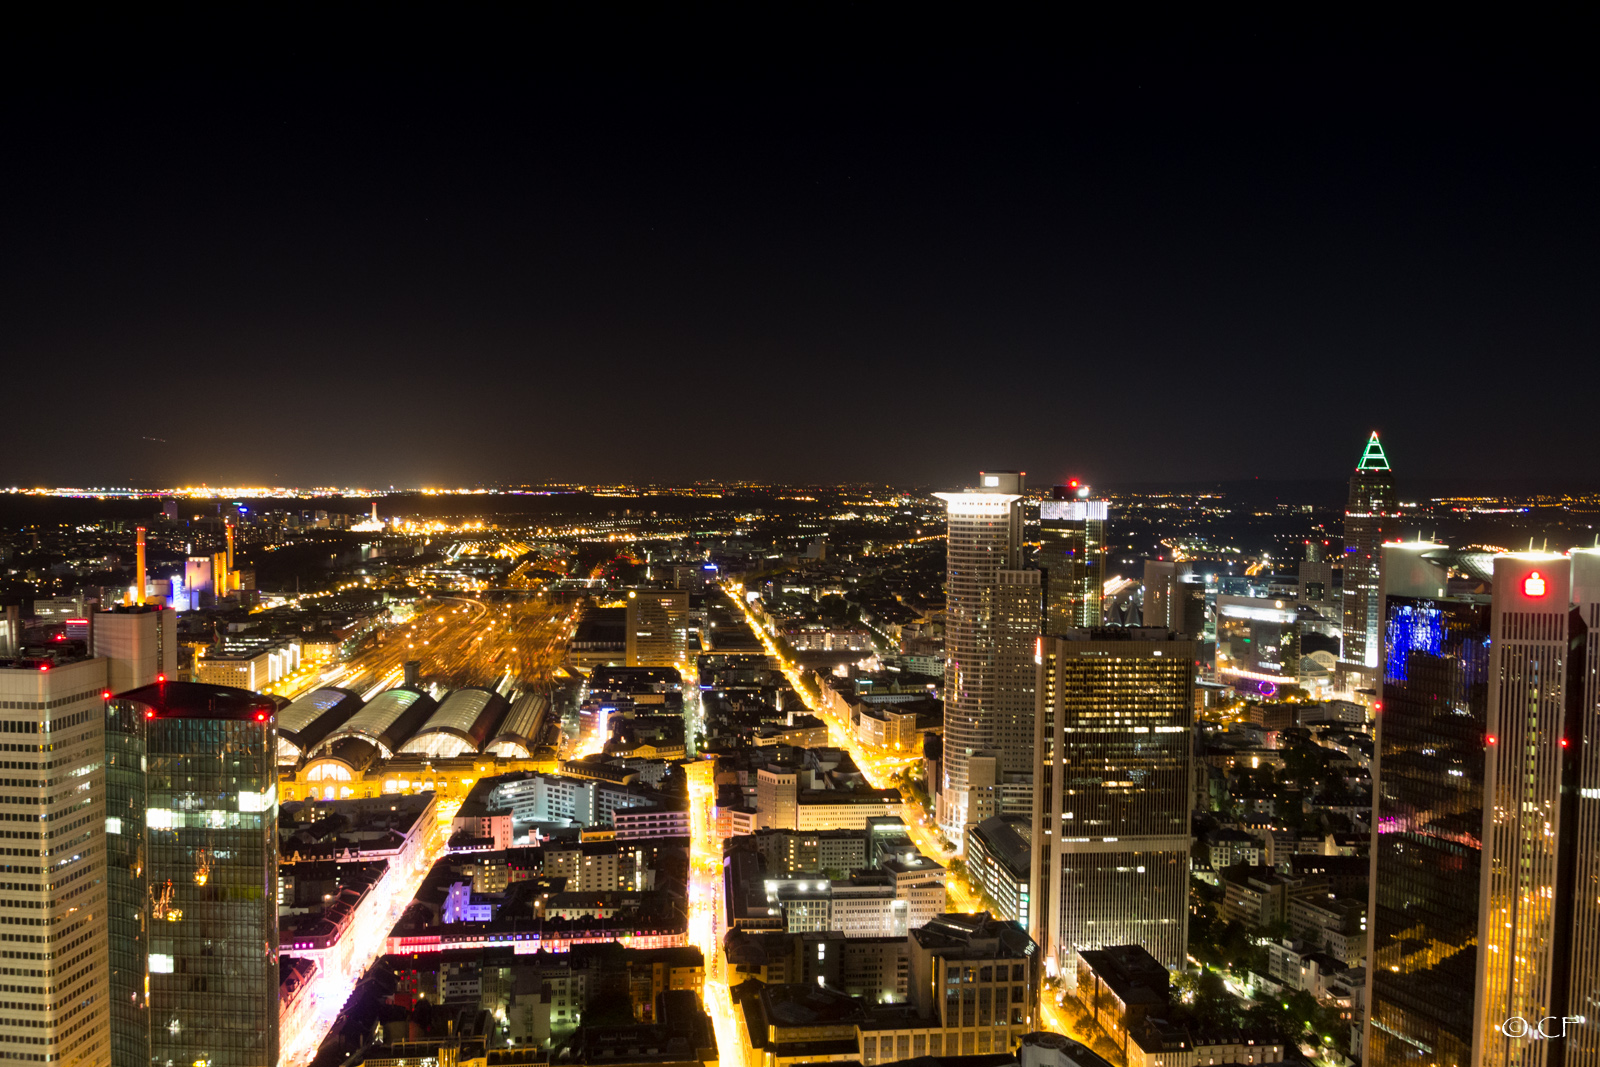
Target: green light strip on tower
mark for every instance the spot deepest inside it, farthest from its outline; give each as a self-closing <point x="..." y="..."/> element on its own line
<point x="1373" y="458"/>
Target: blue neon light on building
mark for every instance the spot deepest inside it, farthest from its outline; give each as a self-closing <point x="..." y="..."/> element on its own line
<point x="1412" y="628"/>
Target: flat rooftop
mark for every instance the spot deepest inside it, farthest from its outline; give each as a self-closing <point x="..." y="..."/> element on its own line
<point x="196" y="700"/>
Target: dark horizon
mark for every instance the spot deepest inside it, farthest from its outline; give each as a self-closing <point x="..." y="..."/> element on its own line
<point x="1196" y="252"/>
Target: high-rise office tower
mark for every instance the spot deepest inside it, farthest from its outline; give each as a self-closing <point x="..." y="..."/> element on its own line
<point x="191" y="862"/>
<point x="1016" y="628"/>
<point x="1317" y="590"/>
<point x="1113" y="759"/>
<point x="52" y="911"/>
<point x="1427" y="773"/>
<point x="1160" y="578"/>
<point x="1538" y="920"/>
<point x="1072" y="557"/>
<point x="1371" y="515"/>
<point x="1001" y="771"/>
<point x="981" y="648"/>
<point x="1174" y="598"/>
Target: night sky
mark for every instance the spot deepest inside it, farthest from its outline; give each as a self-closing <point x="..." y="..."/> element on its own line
<point x="796" y="251"/>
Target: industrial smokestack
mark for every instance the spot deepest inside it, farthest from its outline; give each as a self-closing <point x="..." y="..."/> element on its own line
<point x="374" y="511"/>
<point x="138" y="567"/>
<point x="230" y="548"/>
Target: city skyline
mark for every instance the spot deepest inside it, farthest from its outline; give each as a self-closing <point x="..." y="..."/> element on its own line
<point x="1159" y="738"/>
<point x="463" y="599"/>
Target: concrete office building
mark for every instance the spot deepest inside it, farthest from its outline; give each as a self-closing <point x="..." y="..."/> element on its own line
<point x="1160" y="577"/>
<point x="1174" y="598"/>
<point x="52" y="731"/>
<point x="979" y="977"/>
<point x="657" y="629"/>
<point x="1318" y="591"/>
<point x="249" y="662"/>
<point x="139" y="643"/>
<point x="998" y="860"/>
<point x="191" y="832"/>
<point x="777" y="797"/>
<point x="54" y="948"/>
<point x="1113" y="764"/>
<point x="1015" y="628"/>
<point x="989" y="629"/>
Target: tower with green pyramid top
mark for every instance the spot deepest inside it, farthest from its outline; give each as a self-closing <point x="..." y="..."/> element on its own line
<point x="1371" y="516"/>
<point x="1373" y="457"/>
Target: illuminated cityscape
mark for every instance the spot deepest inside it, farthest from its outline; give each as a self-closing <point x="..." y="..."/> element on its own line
<point x="539" y="775"/>
<point x="576" y="537"/>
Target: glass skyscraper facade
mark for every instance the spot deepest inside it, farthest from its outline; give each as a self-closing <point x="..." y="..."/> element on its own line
<point x="1113" y="765"/>
<point x="1426" y="854"/>
<point x="1072" y="559"/>
<point x="193" y="854"/>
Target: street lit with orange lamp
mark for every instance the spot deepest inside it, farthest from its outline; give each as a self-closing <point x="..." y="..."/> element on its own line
<point x="705" y="901"/>
<point x="960" y="894"/>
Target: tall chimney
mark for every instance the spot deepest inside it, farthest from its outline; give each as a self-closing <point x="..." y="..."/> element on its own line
<point x="138" y="568"/>
<point x="230" y="549"/>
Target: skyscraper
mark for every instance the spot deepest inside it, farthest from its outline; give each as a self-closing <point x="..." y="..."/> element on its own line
<point x="1538" y="920"/>
<point x="1160" y="578"/>
<point x="192" y="856"/>
<point x="1016" y="626"/>
<point x="1371" y="514"/>
<point x="1072" y="557"/>
<point x="1113" y="757"/>
<point x="53" y="948"/>
<point x="1316" y="582"/>
<point x="1427" y="775"/>
<point x="987" y="643"/>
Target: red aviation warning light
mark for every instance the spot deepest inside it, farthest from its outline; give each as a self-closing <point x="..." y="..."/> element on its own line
<point x="1533" y="585"/>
